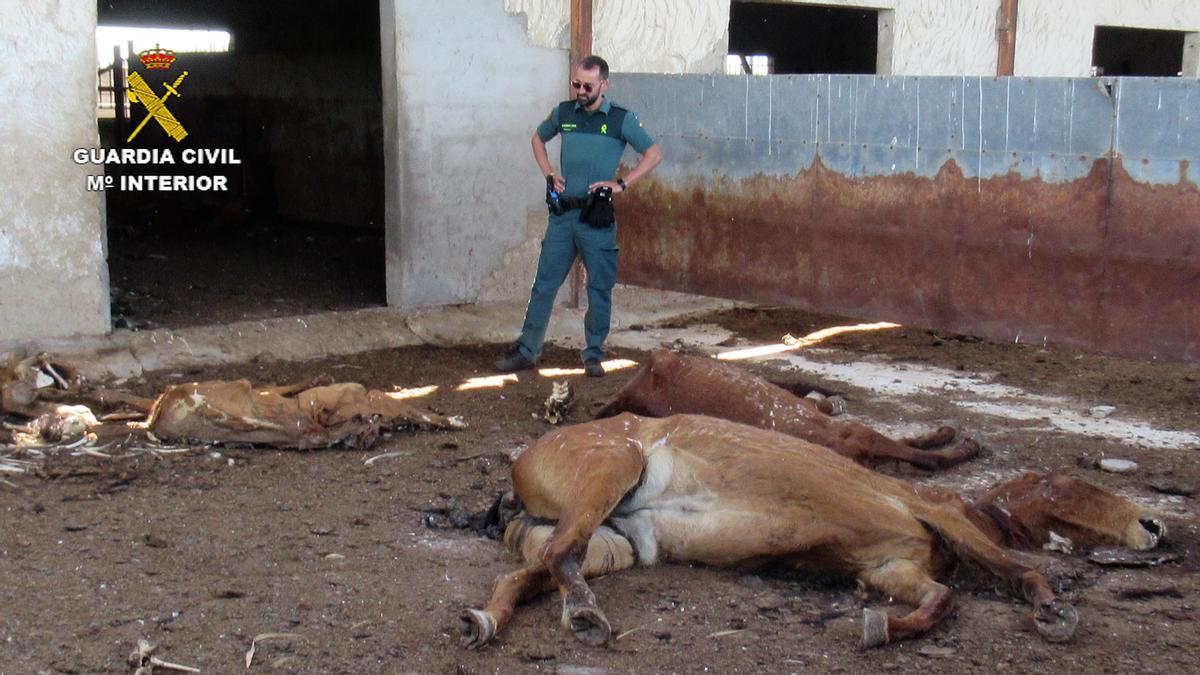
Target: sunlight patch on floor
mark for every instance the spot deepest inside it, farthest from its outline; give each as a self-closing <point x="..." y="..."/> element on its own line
<point x="412" y="392"/>
<point x="487" y="382"/>
<point x="790" y="343"/>
<point x="609" y="366"/>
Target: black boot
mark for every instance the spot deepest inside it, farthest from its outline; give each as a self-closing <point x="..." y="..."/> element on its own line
<point x="516" y="361"/>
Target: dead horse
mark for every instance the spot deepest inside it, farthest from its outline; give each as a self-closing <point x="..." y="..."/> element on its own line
<point x="672" y="384"/>
<point x="602" y="496"/>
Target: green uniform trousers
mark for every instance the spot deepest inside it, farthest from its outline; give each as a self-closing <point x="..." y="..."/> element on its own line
<point x="565" y="239"/>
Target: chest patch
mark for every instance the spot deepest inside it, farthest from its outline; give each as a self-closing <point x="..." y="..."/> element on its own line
<point x="574" y="121"/>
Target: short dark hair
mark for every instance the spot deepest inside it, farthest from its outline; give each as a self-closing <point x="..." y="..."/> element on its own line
<point x="591" y="62"/>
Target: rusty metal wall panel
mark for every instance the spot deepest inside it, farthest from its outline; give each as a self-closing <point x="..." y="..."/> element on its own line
<point x="1152" y="285"/>
<point x="981" y="205"/>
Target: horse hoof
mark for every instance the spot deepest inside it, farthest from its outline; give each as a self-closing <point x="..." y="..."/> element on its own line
<point x="1056" y="621"/>
<point x="1148" y="534"/>
<point x="477" y="628"/>
<point x="874" y="629"/>
<point x="590" y="626"/>
<point x="967" y="449"/>
<point x="839" y="405"/>
<point x="945" y="435"/>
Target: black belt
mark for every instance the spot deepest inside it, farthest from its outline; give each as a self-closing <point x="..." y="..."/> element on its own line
<point x="569" y="203"/>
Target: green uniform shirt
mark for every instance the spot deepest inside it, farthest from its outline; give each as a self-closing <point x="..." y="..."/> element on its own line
<point x="592" y="142"/>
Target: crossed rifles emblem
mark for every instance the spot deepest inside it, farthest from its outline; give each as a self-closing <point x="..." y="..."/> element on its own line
<point x="140" y="91"/>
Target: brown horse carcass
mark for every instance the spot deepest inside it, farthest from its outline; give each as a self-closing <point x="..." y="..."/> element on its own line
<point x="671" y="384"/>
<point x="606" y="495"/>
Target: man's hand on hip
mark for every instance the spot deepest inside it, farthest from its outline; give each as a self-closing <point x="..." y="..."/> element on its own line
<point x="608" y="184"/>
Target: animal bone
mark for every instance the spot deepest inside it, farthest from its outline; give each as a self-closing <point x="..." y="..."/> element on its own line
<point x="558" y="404"/>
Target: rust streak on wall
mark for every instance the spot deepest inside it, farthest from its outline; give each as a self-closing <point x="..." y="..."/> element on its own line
<point x="1152" y="280"/>
<point x="1005" y="257"/>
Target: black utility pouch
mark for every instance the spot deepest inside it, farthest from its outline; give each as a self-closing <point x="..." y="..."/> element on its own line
<point x="553" y="199"/>
<point x="598" y="211"/>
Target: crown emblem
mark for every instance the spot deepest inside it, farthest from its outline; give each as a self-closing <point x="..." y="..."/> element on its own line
<point x="157" y="58"/>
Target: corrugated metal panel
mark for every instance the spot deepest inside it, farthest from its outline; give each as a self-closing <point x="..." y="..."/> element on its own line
<point x="1152" y="280"/>
<point x="982" y="205"/>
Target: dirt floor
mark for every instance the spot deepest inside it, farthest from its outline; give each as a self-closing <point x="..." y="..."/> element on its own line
<point x="358" y="565"/>
<point x="193" y="276"/>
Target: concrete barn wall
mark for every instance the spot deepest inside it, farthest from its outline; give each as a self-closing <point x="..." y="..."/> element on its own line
<point x="1054" y="38"/>
<point x="926" y="37"/>
<point x="53" y="275"/>
<point x="1031" y="209"/>
<point x="463" y="90"/>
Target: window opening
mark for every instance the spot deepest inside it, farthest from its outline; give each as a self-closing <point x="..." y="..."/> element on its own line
<point x="1146" y="52"/>
<point x="790" y="38"/>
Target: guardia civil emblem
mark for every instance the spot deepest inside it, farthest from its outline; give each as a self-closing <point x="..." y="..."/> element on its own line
<point x="140" y="91"/>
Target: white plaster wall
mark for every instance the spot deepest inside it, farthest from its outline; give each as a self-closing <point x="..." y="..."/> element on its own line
<point x="53" y="274"/>
<point x="945" y="37"/>
<point x="1054" y="38"/>
<point x="929" y="37"/>
<point x="635" y="35"/>
<point x="639" y="36"/>
<point x="463" y="89"/>
<point x="691" y="36"/>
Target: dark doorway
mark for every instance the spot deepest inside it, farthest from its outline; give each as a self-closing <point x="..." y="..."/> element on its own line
<point x="297" y="100"/>
<point x="1137" y="51"/>
<point x="805" y="38"/>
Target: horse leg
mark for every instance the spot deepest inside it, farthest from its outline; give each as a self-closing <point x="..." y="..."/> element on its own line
<point x="909" y="583"/>
<point x="1054" y="619"/>
<point x="933" y="439"/>
<point x="579" y="489"/>
<point x="297" y="387"/>
<point x="480" y="626"/>
<point x="608" y="552"/>
<point x="869" y="447"/>
<point x="826" y="405"/>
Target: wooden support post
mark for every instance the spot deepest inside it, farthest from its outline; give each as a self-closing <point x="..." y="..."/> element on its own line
<point x="581" y="46"/>
<point x="1006" y="38"/>
<point x="581" y="30"/>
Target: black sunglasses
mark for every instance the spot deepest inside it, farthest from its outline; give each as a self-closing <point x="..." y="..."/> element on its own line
<point x="586" y="86"/>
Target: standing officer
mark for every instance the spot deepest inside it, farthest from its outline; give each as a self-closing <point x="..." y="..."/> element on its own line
<point x="594" y="134"/>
